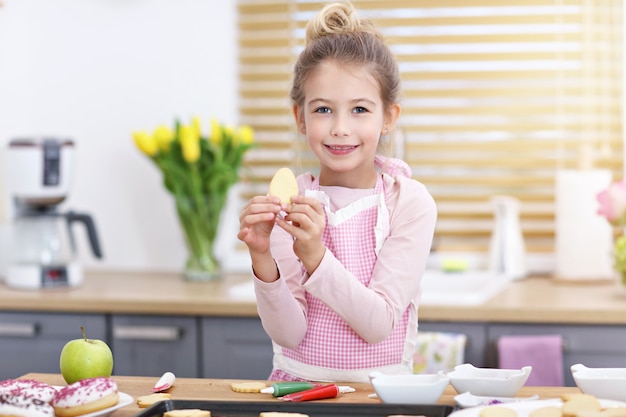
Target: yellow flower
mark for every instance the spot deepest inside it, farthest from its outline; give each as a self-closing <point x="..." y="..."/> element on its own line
<point x="245" y="135"/>
<point x="216" y="132"/>
<point x="146" y="143"/>
<point x="196" y="126"/>
<point x="163" y="136"/>
<point x="190" y="143"/>
<point x="229" y="132"/>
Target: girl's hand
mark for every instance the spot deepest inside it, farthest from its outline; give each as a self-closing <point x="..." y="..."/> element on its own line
<point x="256" y="222"/>
<point x="305" y="221"/>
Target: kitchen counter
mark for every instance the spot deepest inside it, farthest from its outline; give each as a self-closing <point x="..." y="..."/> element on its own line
<point x="531" y="300"/>
<point x="219" y="389"/>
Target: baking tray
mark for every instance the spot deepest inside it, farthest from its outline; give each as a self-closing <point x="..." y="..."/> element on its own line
<point x="313" y="409"/>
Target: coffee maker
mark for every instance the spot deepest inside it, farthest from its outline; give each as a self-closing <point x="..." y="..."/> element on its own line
<point x="42" y="244"/>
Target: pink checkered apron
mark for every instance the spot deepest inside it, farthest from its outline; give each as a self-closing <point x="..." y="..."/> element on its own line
<point x="329" y="341"/>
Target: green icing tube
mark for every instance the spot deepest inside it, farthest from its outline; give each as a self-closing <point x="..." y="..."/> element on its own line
<point x="278" y="389"/>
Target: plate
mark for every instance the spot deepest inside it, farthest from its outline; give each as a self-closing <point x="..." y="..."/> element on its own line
<point x="125" y="400"/>
<point x="524" y="408"/>
<point x="467" y="400"/>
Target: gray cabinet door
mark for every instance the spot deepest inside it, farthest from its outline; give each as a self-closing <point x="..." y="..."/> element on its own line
<point x="32" y="342"/>
<point x="594" y="346"/>
<point x="153" y="345"/>
<point x="235" y="348"/>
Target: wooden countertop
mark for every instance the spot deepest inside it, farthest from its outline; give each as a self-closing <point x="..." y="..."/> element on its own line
<point x="531" y="300"/>
<point x="219" y="390"/>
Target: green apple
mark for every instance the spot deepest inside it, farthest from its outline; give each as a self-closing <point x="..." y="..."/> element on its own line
<point x="85" y="358"/>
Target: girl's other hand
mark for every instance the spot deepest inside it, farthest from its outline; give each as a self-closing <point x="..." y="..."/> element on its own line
<point x="256" y="221"/>
<point x="305" y="221"/>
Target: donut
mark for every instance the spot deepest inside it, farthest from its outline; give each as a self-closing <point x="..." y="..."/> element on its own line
<point x="85" y="396"/>
<point x="28" y="388"/>
<point x="20" y="405"/>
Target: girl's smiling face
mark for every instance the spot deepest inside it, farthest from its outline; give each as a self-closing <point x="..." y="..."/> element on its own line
<point x="343" y="118"/>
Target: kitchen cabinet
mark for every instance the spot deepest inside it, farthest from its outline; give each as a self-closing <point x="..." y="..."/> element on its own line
<point x="239" y="348"/>
<point x="151" y="345"/>
<point x="595" y="346"/>
<point x="33" y="342"/>
<point x="212" y="330"/>
<point x="235" y="348"/>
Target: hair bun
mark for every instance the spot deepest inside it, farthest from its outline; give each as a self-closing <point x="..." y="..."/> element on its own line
<point x="338" y="18"/>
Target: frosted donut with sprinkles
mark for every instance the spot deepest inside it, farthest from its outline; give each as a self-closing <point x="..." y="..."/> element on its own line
<point x="85" y="396"/>
<point x="28" y="388"/>
<point x="19" y="404"/>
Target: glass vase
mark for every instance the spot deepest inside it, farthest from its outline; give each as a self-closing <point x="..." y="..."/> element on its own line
<point x="619" y="258"/>
<point x="621" y="283"/>
<point x="199" y="218"/>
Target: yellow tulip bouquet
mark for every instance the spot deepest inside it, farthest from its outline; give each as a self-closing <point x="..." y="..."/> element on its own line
<point x="198" y="171"/>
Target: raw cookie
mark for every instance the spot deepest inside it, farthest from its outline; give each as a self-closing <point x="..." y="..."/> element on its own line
<point x="579" y="402"/>
<point x="284" y="185"/>
<point x="607" y="412"/>
<point x="497" y="411"/>
<point x="144" y="401"/>
<point x="187" y="412"/>
<point x="248" y="386"/>
<point x="550" y="411"/>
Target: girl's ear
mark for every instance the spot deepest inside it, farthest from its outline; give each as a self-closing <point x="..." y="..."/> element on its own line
<point x="298" y="116"/>
<point x="393" y="113"/>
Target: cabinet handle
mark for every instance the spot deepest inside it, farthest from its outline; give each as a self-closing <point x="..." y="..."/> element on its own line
<point x="160" y="333"/>
<point x="18" y="329"/>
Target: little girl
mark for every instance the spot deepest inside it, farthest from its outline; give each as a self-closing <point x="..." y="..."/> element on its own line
<point x="338" y="270"/>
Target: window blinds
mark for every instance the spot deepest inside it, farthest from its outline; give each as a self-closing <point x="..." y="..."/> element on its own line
<point x="497" y="95"/>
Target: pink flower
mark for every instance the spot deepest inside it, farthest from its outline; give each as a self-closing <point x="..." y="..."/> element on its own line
<point x="613" y="202"/>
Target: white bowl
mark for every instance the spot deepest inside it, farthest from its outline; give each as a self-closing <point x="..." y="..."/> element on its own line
<point x="491" y="382"/>
<point x="410" y="388"/>
<point x="605" y="383"/>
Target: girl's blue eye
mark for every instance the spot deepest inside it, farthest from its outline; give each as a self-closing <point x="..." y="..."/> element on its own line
<point x="360" y="109"/>
<point x="322" y="110"/>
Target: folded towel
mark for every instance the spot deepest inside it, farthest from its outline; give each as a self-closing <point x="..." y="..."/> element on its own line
<point x="544" y="353"/>
<point x="438" y="351"/>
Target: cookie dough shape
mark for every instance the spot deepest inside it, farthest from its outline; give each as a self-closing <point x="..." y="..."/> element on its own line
<point x="144" y="401"/>
<point x="284" y="185"/>
<point x="248" y="386"/>
<point x="187" y="412"/>
<point x="551" y="411"/>
<point x="497" y="411"/>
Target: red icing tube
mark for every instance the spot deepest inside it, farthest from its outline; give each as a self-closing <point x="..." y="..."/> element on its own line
<point x="317" y="393"/>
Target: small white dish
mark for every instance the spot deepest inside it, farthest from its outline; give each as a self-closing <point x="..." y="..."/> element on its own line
<point x="467" y="400"/>
<point x="609" y="383"/>
<point x="410" y="388"/>
<point x="488" y="382"/>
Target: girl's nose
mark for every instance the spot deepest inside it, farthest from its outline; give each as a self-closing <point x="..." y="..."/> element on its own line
<point x="339" y="127"/>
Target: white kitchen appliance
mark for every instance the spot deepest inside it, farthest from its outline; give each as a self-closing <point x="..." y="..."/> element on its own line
<point x="42" y="244"/>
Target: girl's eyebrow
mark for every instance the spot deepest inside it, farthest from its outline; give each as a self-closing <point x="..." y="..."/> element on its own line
<point x="315" y="101"/>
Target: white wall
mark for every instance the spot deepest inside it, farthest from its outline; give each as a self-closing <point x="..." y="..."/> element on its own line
<point x="96" y="70"/>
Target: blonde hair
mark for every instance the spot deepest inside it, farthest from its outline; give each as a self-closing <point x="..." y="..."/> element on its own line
<point x="338" y="18"/>
<point x="338" y="34"/>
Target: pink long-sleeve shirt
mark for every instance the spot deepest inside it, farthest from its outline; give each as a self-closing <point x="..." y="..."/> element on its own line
<point x="372" y="311"/>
